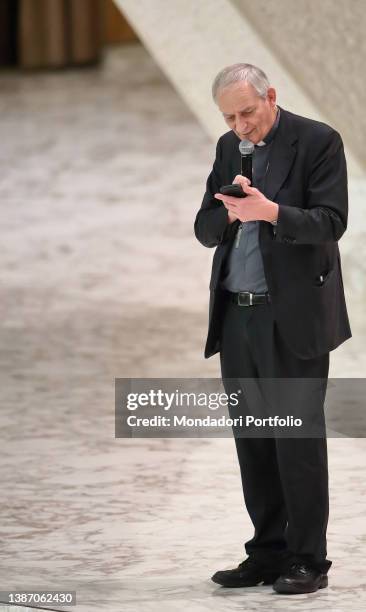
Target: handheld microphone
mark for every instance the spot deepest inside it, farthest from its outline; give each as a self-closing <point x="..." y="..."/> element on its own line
<point x="246" y="148"/>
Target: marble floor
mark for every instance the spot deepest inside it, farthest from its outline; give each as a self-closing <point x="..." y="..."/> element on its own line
<point x="101" y="277"/>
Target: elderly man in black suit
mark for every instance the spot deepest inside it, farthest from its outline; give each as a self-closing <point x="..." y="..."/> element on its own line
<point x="277" y="309"/>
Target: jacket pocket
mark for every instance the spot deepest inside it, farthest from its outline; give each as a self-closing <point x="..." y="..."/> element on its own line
<point x="323" y="278"/>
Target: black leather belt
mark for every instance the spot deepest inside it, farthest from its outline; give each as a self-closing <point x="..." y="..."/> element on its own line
<point x="246" y="298"/>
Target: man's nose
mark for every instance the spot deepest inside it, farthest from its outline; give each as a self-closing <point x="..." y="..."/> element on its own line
<point x="241" y="124"/>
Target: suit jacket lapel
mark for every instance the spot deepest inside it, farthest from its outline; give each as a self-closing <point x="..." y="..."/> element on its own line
<point x="281" y="158"/>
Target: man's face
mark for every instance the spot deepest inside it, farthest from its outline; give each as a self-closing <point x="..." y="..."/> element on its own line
<point x="245" y="112"/>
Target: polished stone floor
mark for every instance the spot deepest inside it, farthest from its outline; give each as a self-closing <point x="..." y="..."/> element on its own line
<point x="101" y="277"/>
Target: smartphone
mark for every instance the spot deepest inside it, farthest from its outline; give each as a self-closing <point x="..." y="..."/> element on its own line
<point x="233" y="190"/>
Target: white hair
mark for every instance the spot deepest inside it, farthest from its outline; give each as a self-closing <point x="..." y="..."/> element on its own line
<point x="241" y="72"/>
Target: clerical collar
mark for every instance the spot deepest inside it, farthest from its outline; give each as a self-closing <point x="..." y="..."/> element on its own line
<point x="270" y="135"/>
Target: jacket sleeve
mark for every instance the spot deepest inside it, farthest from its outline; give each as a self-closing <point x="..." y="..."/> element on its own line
<point x="211" y="226"/>
<point x="325" y="217"/>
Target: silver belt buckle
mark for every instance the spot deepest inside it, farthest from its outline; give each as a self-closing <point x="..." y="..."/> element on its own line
<point x="245" y="294"/>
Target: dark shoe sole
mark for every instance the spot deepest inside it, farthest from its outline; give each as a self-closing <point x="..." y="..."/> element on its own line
<point x="292" y="589"/>
<point x="268" y="579"/>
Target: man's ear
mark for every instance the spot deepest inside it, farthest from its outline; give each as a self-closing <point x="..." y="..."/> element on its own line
<point x="271" y="95"/>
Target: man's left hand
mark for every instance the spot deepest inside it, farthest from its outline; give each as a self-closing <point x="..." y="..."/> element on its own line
<point x="254" y="207"/>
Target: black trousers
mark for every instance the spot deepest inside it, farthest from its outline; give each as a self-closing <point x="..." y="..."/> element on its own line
<point x="284" y="479"/>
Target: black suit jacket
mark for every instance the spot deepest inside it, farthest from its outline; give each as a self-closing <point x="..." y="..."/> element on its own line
<point x="307" y="177"/>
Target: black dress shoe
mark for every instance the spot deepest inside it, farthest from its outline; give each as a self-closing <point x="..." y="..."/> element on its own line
<point x="248" y="573"/>
<point x="301" y="578"/>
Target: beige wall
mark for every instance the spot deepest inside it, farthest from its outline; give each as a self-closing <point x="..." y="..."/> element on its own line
<point x="322" y="44"/>
<point x="192" y="39"/>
